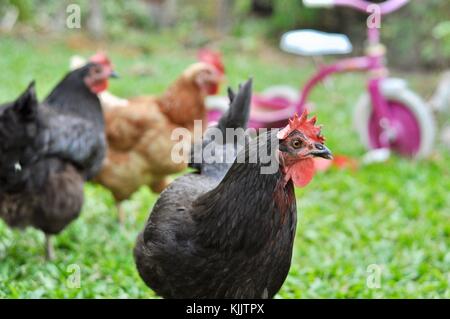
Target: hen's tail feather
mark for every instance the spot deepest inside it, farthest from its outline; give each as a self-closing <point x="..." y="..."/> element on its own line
<point x="26" y="104"/>
<point x="236" y="117"/>
<point x="231" y="94"/>
<point x="17" y="136"/>
<point x="239" y="111"/>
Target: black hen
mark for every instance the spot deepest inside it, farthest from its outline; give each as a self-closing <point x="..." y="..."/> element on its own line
<point x="210" y="236"/>
<point x="49" y="150"/>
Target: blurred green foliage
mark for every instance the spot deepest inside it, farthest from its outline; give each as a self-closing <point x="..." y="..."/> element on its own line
<point x="24" y="8"/>
<point x="417" y="35"/>
<point x="289" y="13"/>
<point x="442" y="32"/>
<point x="412" y="35"/>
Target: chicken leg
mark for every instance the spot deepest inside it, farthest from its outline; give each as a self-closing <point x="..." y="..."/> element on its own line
<point x="49" y="251"/>
<point x="120" y="214"/>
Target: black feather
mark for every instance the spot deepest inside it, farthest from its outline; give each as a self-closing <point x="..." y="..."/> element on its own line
<point x="239" y="111"/>
<point x="26" y="105"/>
<point x="72" y="96"/>
<point x="235" y="118"/>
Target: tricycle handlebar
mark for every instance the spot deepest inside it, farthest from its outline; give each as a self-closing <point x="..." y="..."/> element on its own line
<point x="386" y="7"/>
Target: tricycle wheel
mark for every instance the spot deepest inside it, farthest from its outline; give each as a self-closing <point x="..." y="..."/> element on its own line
<point x="414" y="128"/>
<point x="285" y="91"/>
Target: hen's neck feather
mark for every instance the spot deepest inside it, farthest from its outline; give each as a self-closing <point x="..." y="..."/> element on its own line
<point x="247" y="208"/>
<point x="183" y="103"/>
<point x="72" y="96"/>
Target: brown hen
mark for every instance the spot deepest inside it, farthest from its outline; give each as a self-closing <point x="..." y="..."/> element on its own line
<point x="139" y="134"/>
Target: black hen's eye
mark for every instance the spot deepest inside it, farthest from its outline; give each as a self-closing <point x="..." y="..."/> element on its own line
<point x="297" y="143"/>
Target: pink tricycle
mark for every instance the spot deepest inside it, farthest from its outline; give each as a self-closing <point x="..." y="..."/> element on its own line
<point x="389" y="115"/>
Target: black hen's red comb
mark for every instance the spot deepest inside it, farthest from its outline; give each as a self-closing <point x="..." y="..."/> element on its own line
<point x="304" y="125"/>
<point x="101" y="58"/>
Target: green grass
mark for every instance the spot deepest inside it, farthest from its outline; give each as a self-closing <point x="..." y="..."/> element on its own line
<point x="395" y="215"/>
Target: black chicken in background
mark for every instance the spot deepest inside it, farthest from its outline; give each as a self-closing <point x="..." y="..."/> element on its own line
<point x="48" y="150"/>
<point x="228" y="232"/>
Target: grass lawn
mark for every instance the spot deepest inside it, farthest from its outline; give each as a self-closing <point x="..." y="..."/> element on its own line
<point x="394" y="215"/>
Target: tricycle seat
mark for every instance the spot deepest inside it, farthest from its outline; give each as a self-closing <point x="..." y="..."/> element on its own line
<point x="315" y="43"/>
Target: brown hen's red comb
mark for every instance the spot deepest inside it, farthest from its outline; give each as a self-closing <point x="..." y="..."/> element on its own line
<point x="213" y="58"/>
<point x="303" y="125"/>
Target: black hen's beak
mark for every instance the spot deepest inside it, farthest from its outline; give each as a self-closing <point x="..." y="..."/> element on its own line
<point x="321" y="150"/>
<point x="114" y="75"/>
